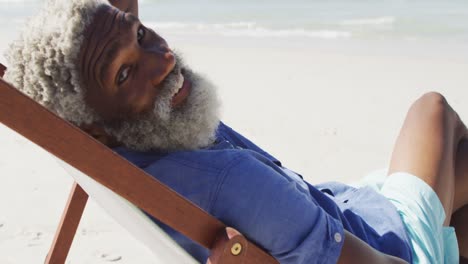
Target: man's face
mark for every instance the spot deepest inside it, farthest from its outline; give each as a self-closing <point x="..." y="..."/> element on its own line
<point x="124" y="65"/>
<point x="146" y="96"/>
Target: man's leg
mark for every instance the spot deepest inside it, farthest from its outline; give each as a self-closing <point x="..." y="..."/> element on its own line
<point x="460" y="222"/>
<point x="460" y="216"/>
<point x="427" y="146"/>
<point x="432" y="145"/>
<point x="461" y="175"/>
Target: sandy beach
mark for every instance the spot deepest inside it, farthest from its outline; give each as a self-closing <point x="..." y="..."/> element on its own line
<point x="330" y="110"/>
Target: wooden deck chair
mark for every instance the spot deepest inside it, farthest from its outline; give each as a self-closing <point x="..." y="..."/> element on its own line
<point x="105" y="174"/>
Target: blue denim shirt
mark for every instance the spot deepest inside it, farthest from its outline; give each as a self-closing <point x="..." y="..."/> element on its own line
<point x="248" y="189"/>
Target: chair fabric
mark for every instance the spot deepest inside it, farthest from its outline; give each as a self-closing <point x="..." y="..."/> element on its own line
<point x="131" y="218"/>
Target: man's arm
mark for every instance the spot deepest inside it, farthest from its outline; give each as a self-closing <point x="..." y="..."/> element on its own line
<point x="354" y="250"/>
<point x="130" y="6"/>
<point x="279" y="216"/>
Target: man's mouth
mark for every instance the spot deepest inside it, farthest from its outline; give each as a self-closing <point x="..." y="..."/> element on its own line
<point x="182" y="93"/>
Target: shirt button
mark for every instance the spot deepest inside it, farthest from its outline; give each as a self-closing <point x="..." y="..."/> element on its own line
<point x="338" y="237"/>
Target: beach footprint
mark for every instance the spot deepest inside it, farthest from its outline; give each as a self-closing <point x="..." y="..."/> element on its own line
<point x="110" y="257"/>
<point x="35" y="239"/>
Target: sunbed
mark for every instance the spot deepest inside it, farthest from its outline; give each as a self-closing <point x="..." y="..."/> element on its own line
<point x="121" y="188"/>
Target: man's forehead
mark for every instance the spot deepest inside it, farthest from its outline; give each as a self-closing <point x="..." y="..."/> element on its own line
<point x="95" y="36"/>
<point x="104" y="45"/>
<point x="112" y="41"/>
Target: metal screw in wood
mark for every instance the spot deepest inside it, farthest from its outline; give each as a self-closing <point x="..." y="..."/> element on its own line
<point x="236" y="249"/>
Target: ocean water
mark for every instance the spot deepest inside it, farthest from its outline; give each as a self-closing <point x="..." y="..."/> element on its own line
<point x="315" y="19"/>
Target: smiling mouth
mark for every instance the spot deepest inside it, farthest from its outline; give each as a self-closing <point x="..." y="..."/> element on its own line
<point x="182" y="93"/>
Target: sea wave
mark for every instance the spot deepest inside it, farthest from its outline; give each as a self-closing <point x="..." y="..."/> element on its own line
<point x="263" y="32"/>
<point x="245" y="28"/>
<point x="17" y="1"/>
<point x="374" y="21"/>
<point x="201" y="26"/>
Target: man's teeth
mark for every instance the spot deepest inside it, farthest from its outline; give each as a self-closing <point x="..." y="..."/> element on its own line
<point x="180" y="83"/>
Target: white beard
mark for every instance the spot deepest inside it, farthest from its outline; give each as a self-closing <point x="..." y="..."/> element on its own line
<point x="191" y="125"/>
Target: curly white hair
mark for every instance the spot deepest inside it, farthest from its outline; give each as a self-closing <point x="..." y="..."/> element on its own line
<point x="43" y="61"/>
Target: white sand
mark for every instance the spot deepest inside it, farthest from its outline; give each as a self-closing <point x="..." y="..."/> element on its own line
<point x="329" y="110"/>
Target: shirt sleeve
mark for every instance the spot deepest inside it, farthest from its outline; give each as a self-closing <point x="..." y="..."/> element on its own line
<point x="275" y="213"/>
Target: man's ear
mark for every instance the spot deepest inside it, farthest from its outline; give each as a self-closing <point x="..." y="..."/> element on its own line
<point x="98" y="132"/>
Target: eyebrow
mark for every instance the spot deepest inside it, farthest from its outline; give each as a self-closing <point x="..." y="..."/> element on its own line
<point x="111" y="52"/>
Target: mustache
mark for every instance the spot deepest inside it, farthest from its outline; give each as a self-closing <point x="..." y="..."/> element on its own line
<point x="169" y="87"/>
<point x="174" y="77"/>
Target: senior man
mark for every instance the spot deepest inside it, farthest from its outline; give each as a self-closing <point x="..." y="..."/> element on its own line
<point x="99" y="67"/>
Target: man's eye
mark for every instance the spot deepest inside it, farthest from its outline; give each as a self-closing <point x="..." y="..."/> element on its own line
<point x="123" y="75"/>
<point x="140" y="34"/>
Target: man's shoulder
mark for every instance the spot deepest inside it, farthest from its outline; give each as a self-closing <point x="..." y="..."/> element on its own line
<point x="204" y="160"/>
<point x="198" y="174"/>
<point x="215" y="160"/>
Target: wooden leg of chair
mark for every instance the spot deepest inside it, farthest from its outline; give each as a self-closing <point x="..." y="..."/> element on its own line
<point x="68" y="225"/>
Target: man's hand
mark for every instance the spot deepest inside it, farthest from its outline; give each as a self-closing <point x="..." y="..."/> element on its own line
<point x="130" y="6"/>
<point x="218" y="248"/>
<point x="354" y="251"/>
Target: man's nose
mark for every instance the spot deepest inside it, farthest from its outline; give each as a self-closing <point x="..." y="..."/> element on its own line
<point x="163" y="62"/>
